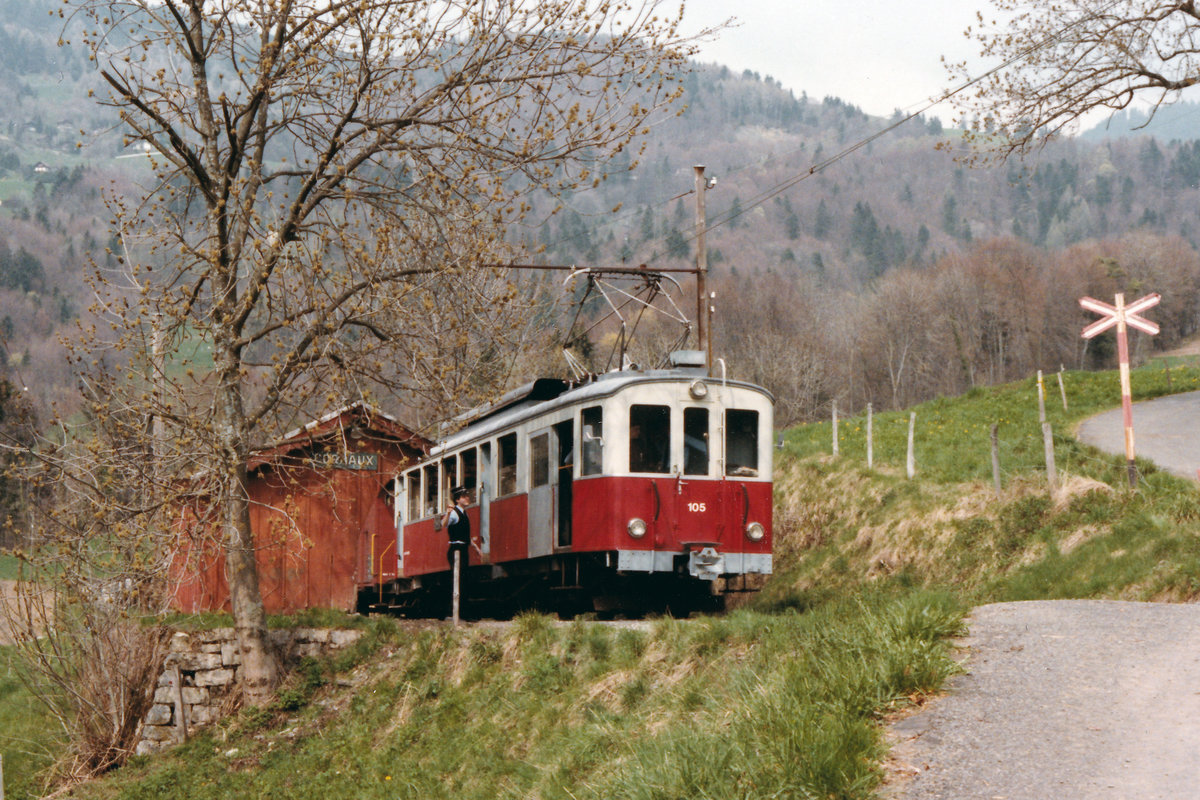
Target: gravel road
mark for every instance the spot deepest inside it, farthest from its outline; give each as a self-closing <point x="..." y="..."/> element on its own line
<point x="1165" y="430"/>
<point x="1079" y="699"/>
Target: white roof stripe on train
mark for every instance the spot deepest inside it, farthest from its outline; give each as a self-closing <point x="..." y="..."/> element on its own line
<point x="603" y="386"/>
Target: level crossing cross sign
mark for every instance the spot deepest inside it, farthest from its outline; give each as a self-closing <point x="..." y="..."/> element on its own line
<point x="1120" y="313"/>
<point x="1123" y="317"/>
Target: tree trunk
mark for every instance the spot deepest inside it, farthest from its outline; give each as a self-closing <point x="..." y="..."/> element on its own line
<point x="259" y="669"/>
<point x="259" y="672"/>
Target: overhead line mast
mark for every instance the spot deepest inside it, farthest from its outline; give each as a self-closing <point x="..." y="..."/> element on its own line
<point x="703" y="306"/>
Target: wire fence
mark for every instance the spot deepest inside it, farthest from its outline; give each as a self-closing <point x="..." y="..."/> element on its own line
<point x="946" y="443"/>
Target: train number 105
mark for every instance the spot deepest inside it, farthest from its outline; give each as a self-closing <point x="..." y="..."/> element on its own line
<point x="696" y="507"/>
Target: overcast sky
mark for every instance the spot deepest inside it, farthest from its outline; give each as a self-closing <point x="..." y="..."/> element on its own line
<point x="878" y="56"/>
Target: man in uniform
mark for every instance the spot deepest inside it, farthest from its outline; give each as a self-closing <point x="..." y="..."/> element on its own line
<point x="459" y="529"/>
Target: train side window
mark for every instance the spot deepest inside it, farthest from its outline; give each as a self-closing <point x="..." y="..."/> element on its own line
<point x="695" y="441"/>
<point x="649" y="439"/>
<point x="539" y="460"/>
<point x="449" y="478"/>
<point x="470" y="473"/>
<point x="592" y="433"/>
<point x="431" y="490"/>
<point x="508" y="464"/>
<point x="414" y="495"/>
<point x="741" y="442"/>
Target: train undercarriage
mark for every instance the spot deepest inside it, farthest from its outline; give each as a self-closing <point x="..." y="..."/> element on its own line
<point x="568" y="585"/>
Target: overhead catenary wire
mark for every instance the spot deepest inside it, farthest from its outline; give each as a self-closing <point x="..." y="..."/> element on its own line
<point x="729" y="215"/>
<point x="726" y="217"/>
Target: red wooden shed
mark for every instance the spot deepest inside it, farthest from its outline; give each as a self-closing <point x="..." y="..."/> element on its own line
<point x="321" y="509"/>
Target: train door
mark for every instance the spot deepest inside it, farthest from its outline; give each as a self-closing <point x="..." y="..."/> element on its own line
<point x="412" y="511"/>
<point x="399" y="516"/>
<point x="565" y="433"/>
<point x="543" y="519"/>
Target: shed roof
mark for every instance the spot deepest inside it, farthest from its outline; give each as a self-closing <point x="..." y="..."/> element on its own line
<point x="359" y="415"/>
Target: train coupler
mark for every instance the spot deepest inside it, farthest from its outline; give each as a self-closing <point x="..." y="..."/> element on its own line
<point x="706" y="563"/>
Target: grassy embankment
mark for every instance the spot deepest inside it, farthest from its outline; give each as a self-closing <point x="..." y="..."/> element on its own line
<point x="748" y="705"/>
<point x="782" y="699"/>
<point x="1093" y="538"/>
<point x="9" y="567"/>
<point x="28" y="740"/>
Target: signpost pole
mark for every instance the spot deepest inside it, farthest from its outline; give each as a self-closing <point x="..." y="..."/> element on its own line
<point x="1123" y="317"/>
<point x="1126" y="390"/>
<point x="457" y="588"/>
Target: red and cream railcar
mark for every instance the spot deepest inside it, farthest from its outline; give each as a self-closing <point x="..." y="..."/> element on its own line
<point x="633" y="490"/>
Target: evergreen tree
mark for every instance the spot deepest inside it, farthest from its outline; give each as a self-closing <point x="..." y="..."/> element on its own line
<point x="677" y="246"/>
<point x="950" y="215"/>
<point x="823" y="223"/>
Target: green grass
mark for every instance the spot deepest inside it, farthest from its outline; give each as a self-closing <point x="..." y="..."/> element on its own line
<point x="952" y="440"/>
<point x="782" y="699"/>
<point x="840" y="525"/>
<point x="28" y="736"/>
<point x="9" y="567"/>
<point x="14" y="187"/>
<point x="751" y="705"/>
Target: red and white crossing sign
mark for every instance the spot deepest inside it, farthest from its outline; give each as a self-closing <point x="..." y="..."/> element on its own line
<point x="1114" y="315"/>
<point x="1123" y="317"/>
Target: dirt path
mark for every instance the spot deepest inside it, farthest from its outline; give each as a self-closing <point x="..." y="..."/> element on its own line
<point x="1080" y="699"/>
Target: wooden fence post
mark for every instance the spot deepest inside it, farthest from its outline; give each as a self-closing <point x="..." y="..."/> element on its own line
<point x="1062" y="389"/>
<point x="996" y="457"/>
<point x="1048" y="442"/>
<point x="910" y="463"/>
<point x="835" y="430"/>
<point x="181" y="723"/>
<point x="1041" y="387"/>
<point x="870" y="437"/>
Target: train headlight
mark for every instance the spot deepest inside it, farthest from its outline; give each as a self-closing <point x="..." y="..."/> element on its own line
<point x="636" y="528"/>
<point x="698" y="390"/>
<point x="755" y="531"/>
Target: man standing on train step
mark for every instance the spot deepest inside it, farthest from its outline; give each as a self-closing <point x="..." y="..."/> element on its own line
<point x="459" y="528"/>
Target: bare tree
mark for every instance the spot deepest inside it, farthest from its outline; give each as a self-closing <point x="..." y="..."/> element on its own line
<point x="314" y="163"/>
<point x="773" y="334"/>
<point x="1062" y="60"/>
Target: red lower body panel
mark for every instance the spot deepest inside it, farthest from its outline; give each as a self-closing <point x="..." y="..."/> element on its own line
<point x="680" y="515"/>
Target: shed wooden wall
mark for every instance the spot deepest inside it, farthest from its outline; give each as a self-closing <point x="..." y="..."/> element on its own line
<point x="320" y="533"/>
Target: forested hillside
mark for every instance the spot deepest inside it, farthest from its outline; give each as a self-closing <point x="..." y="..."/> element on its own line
<point x="895" y="273"/>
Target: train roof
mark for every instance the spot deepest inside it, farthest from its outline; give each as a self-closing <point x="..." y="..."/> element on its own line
<point x="547" y="394"/>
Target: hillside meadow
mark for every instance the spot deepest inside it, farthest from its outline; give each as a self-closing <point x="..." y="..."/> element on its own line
<point x="840" y="524"/>
<point x="782" y="698"/>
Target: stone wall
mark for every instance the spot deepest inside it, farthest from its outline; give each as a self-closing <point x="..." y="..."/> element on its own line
<point x="198" y="684"/>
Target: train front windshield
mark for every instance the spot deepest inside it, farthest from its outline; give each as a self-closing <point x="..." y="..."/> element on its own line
<point x="655" y="446"/>
<point x="741" y="443"/>
<point x="650" y="438"/>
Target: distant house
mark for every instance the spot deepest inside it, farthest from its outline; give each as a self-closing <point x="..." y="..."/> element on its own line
<point x="322" y="515"/>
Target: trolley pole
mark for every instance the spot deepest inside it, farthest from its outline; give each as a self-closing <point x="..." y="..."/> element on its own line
<point x="703" y="308"/>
